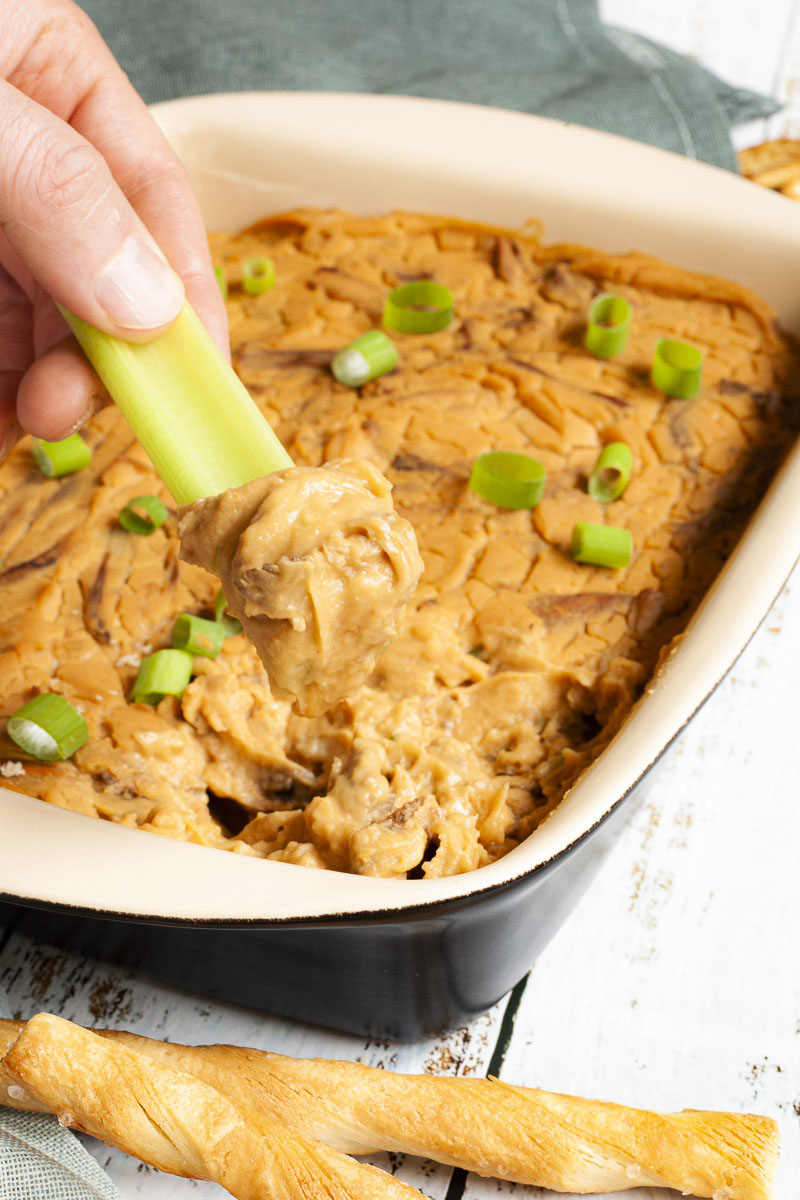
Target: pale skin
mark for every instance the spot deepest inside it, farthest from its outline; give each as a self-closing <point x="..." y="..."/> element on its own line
<point x="93" y="207"/>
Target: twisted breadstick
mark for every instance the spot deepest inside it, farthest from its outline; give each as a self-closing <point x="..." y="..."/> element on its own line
<point x="491" y="1128"/>
<point x="178" y="1123"/>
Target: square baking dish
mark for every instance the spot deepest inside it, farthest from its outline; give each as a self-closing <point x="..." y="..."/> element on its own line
<point x="401" y="958"/>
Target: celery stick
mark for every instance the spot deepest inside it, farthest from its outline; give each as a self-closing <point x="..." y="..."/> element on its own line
<point x="190" y="411"/>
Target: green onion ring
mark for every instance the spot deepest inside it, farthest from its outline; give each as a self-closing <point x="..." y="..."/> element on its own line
<point x="258" y="275"/>
<point x="157" y="513"/>
<point x="164" y="673"/>
<point x="229" y="624"/>
<point x="608" y="326"/>
<point x="55" y="459"/>
<point x="48" y="727"/>
<point x="370" y="355"/>
<point x="508" y="479"/>
<point x="601" y="545"/>
<point x="611" y="473"/>
<point x="677" y="369"/>
<point x="222" y="281"/>
<point x="198" y="636"/>
<point x="423" y="306"/>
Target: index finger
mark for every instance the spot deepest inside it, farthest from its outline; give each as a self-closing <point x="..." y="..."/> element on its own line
<point x="115" y="120"/>
<point x="67" y="67"/>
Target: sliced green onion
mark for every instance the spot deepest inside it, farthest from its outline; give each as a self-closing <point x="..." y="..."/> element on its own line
<point x="165" y="673"/>
<point x="612" y="471"/>
<point x="508" y="479"/>
<point x="258" y="275"/>
<point x="229" y="624"/>
<point x="419" y="307"/>
<point x="48" y="727"/>
<point x="156" y="513"/>
<point x="196" y="636"/>
<point x="366" y="358"/>
<point x="222" y="282"/>
<point x="677" y="369"/>
<point x="61" y="458"/>
<point x="601" y="545"/>
<point x="191" y="413"/>
<point x="609" y="325"/>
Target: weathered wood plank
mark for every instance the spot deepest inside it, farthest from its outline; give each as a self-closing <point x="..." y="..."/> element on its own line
<point x="786" y="85"/>
<point x="740" y="41"/>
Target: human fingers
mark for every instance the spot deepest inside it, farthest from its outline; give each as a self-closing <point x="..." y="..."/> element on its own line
<point x="15" y="355"/>
<point x="58" y="393"/>
<point x="115" y="120"/>
<point x="64" y="65"/>
<point x="68" y="221"/>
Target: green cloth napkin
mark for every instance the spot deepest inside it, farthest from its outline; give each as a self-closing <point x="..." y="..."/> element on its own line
<point x="41" y="1161"/>
<point x="552" y="57"/>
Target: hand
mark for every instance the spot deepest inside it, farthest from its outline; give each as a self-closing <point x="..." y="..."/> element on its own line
<point x="89" y="191"/>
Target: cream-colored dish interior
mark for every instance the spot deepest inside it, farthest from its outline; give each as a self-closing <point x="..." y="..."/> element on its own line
<point x="220" y="145"/>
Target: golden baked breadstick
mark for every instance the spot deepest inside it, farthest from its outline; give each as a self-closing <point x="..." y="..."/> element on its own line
<point x="178" y="1123"/>
<point x="774" y="164"/>
<point x="12" y="1093"/>
<point x="562" y="1142"/>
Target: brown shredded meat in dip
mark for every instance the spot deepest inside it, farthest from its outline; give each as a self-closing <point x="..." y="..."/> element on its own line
<point x="317" y="566"/>
<point x="514" y="665"/>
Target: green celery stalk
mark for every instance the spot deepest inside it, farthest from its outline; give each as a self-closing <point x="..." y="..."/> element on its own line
<point x="192" y="414"/>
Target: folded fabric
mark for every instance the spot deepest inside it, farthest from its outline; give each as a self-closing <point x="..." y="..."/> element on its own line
<point x="41" y="1161"/>
<point x="552" y="57"/>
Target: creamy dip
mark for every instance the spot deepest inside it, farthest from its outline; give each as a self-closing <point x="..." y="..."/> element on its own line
<point x="317" y="566"/>
<point x="513" y="665"/>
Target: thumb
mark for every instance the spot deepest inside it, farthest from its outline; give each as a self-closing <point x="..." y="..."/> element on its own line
<point x="69" y="223"/>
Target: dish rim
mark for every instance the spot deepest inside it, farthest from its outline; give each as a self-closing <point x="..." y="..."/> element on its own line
<point x="356" y="898"/>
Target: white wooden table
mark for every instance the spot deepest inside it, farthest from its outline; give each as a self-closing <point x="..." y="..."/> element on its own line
<point x="676" y="983"/>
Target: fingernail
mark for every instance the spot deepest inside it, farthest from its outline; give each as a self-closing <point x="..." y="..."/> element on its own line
<point x="89" y="412"/>
<point x="137" y="288"/>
